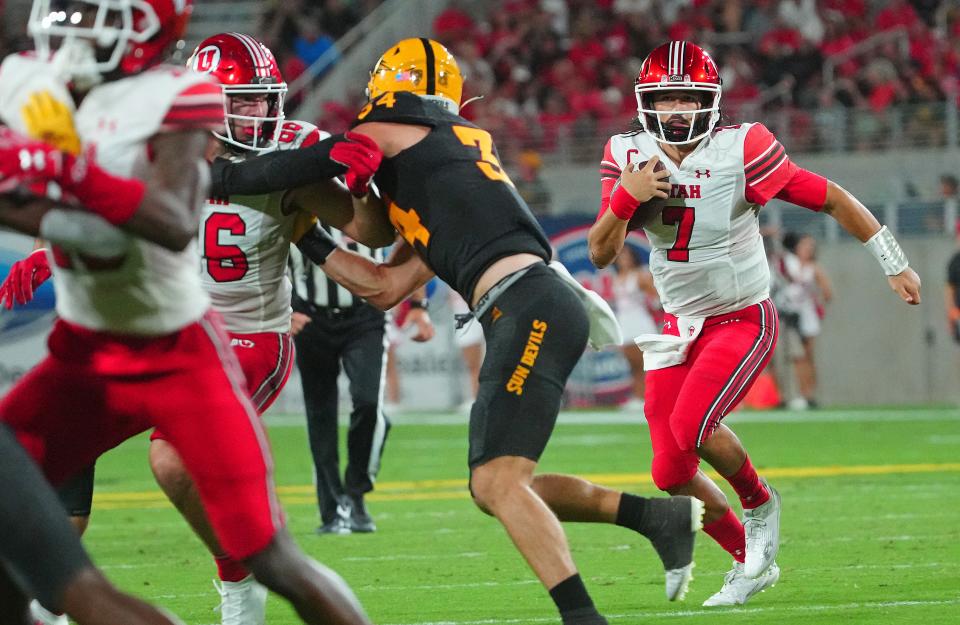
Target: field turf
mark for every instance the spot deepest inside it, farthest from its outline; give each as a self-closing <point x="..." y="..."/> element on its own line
<point x="871" y="527"/>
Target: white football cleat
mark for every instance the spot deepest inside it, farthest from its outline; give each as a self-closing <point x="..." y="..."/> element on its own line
<point x="43" y="616"/>
<point x="761" y="525"/>
<point x="738" y="588"/>
<point x="243" y="602"/>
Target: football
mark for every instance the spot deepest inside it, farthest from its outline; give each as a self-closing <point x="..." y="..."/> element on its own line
<point x="650" y="209"/>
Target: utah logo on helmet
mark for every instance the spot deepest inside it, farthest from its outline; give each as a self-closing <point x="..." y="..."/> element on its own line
<point x="421" y="66"/>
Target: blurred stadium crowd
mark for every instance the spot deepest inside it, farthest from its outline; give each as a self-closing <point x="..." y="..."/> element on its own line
<point x="555" y="71"/>
<point x="555" y="74"/>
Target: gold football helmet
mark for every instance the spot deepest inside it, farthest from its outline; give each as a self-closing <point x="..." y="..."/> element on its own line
<point x="421" y="66"/>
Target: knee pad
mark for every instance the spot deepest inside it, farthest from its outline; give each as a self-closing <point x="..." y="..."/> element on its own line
<point x="686" y="434"/>
<point x="670" y="470"/>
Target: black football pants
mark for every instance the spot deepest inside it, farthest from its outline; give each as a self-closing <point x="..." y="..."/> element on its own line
<point x="357" y="339"/>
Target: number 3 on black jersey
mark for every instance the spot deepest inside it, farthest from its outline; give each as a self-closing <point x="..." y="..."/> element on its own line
<point x="489" y="164"/>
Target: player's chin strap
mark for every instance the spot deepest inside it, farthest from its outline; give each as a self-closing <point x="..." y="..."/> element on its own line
<point x="887" y="251"/>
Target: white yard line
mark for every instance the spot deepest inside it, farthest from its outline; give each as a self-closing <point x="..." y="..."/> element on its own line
<point x="701" y="575"/>
<point x="717" y="612"/>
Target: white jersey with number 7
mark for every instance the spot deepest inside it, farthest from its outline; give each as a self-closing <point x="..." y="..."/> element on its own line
<point x="707" y="256"/>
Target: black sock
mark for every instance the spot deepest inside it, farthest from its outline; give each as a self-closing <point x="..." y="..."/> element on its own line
<point x="632" y="513"/>
<point x="571" y="594"/>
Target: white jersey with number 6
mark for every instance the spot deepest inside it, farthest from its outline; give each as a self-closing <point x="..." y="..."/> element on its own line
<point x="707" y="255"/>
<point x="245" y="243"/>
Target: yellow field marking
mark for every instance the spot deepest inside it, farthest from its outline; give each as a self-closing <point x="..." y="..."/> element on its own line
<point x="382" y="486"/>
<point x="437" y="490"/>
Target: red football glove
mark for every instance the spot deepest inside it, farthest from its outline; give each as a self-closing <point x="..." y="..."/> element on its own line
<point x="361" y="156"/>
<point x="24" y="161"/>
<point x="24" y="278"/>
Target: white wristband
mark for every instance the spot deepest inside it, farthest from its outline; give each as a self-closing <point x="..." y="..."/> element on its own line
<point x="887" y="251"/>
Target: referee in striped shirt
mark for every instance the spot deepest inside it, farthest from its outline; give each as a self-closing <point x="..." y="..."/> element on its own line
<point x="331" y="328"/>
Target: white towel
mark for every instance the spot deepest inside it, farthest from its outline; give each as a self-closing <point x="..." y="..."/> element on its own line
<point x="604" y="327"/>
<point x="666" y="350"/>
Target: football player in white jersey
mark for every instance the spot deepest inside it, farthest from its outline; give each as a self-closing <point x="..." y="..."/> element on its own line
<point x="244" y="246"/>
<point x="710" y="270"/>
<point x="135" y="344"/>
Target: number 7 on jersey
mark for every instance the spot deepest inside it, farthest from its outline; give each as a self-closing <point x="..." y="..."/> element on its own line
<point x="683" y="218"/>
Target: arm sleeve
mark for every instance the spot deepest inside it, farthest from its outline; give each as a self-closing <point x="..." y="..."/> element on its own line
<point x="766" y="165"/>
<point x="609" y="174"/>
<point x="805" y="189"/>
<point x="277" y="171"/>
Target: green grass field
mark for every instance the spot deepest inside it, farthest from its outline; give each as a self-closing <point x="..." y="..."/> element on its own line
<point x="871" y="527"/>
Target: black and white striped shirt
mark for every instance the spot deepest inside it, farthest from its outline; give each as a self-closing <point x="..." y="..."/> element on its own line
<point x="313" y="286"/>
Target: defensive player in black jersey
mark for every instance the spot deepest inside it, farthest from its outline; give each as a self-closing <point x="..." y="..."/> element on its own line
<point x="460" y="218"/>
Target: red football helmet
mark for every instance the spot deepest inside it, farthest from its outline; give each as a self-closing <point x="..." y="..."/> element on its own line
<point x="245" y="68"/>
<point x="100" y="37"/>
<point x="679" y="66"/>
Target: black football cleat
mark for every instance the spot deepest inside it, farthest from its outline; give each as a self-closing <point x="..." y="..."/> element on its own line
<point x="360" y="521"/>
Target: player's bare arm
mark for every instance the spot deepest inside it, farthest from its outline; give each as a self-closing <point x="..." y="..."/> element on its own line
<point x="162" y="208"/>
<point x="383" y="285"/>
<point x="856" y="219"/>
<point x="327" y="200"/>
<point x="176" y="185"/>
<point x="370" y="224"/>
<point x="362" y="219"/>
<point x="24" y="217"/>
<point x="606" y="239"/>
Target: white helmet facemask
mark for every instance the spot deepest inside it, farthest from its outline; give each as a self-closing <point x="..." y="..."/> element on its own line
<point x="703" y="119"/>
<point x="86" y="48"/>
<point x="265" y="129"/>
